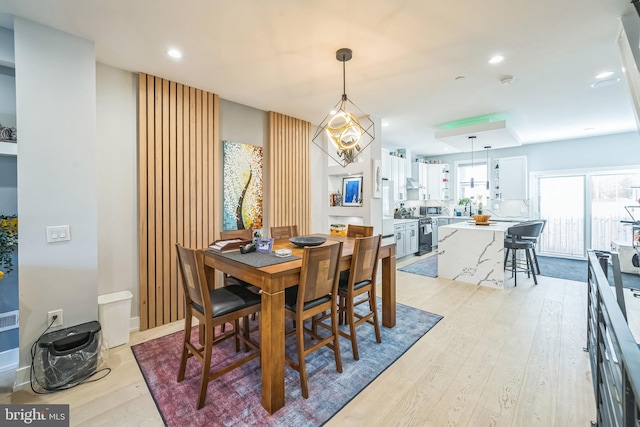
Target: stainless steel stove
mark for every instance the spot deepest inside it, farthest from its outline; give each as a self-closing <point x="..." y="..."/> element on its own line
<point x="425" y="235"/>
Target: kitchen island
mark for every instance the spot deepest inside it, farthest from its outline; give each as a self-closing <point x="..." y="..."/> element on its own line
<point x="473" y="253"/>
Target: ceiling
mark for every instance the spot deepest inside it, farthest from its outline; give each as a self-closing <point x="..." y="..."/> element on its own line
<point x="279" y="55"/>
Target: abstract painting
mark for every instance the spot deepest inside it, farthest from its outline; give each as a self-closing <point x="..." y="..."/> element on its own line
<point x="352" y="191"/>
<point x="243" y="186"/>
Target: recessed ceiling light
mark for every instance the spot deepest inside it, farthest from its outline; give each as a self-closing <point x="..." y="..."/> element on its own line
<point x="385" y="124"/>
<point x="604" y="74"/>
<point x="496" y="59"/>
<point x="174" y="53"/>
<point x="607" y="82"/>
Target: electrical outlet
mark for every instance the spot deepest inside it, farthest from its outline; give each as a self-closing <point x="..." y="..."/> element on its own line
<point x="58" y="321"/>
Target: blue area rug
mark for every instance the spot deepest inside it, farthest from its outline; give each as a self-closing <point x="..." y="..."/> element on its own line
<point x="573" y="269"/>
<point x="235" y="398"/>
<point x="425" y="267"/>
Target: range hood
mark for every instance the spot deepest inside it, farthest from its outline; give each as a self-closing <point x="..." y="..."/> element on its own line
<point x="412" y="184"/>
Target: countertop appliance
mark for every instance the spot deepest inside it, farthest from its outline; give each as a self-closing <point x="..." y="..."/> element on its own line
<point x="425" y="235"/>
<point x="430" y="210"/>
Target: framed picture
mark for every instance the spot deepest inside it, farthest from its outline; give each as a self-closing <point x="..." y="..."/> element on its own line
<point x="376" y="191"/>
<point x="264" y="245"/>
<point x="352" y="191"/>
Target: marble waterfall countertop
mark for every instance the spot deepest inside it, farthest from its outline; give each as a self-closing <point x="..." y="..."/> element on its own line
<point x="495" y="219"/>
<point x="473" y="253"/>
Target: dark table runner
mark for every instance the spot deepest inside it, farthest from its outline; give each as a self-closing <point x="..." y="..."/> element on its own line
<point x="257" y="259"/>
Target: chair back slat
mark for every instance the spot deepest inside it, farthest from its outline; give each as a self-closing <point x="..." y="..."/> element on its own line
<point x="284" y="232"/>
<point x="364" y="263"/>
<point x="526" y="229"/>
<point x="359" y="230"/>
<point x="244" y="234"/>
<point x="192" y="268"/>
<point x="319" y="273"/>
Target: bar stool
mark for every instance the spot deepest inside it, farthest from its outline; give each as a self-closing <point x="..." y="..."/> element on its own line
<point x="519" y="237"/>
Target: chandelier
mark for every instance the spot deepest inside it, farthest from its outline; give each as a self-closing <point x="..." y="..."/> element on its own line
<point x="346" y="131"/>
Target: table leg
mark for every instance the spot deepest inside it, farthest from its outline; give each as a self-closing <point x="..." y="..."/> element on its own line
<point x="272" y="350"/>
<point x="389" y="291"/>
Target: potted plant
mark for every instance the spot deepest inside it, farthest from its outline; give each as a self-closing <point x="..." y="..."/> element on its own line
<point x="480" y="204"/>
<point x="464" y="202"/>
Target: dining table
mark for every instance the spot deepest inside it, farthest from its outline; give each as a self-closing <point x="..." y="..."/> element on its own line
<point x="273" y="280"/>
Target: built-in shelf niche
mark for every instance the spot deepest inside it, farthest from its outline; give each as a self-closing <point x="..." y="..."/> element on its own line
<point x="8" y="149"/>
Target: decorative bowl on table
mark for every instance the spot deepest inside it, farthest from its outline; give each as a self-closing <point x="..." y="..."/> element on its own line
<point x="481" y="219"/>
<point x="303" y="241"/>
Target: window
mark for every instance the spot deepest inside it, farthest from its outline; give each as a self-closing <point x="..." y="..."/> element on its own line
<point x="479" y="173"/>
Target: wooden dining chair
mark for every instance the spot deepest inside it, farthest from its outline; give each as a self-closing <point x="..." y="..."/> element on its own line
<point x="315" y="294"/>
<point x="212" y="308"/>
<point x="359" y="230"/>
<point x="244" y="234"/>
<point x="360" y="280"/>
<point x="284" y="232"/>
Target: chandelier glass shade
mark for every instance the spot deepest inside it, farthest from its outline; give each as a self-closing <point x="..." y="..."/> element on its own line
<point x="346" y="131"/>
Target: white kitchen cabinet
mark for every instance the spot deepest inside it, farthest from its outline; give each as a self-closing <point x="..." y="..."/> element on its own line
<point x="399" y="230"/>
<point x="399" y="177"/>
<point x="411" y="237"/>
<point x="419" y="173"/>
<point x="407" y="239"/>
<point x="433" y="179"/>
<point x="509" y="178"/>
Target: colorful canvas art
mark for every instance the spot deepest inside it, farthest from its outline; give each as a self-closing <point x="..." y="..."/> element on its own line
<point x="243" y="186"/>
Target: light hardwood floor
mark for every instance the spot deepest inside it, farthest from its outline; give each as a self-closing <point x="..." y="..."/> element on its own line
<point x="510" y="357"/>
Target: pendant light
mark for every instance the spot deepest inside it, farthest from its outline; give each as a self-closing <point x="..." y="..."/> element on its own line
<point x="346" y="131"/>
<point x="487" y="147"/>
<point x="472" y="138"/>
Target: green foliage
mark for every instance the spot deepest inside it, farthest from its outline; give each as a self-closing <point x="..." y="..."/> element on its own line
<point x="8" y="241"/>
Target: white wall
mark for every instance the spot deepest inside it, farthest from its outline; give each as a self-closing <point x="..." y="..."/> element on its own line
<point x="56" y="115"/>
<point x="116" y="98"/>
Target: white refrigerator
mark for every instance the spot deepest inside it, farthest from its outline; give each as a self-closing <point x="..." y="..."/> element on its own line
<point x="387" y="208"/>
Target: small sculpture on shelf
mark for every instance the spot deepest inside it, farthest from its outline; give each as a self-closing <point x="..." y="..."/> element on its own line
<point x="8" y="134"/>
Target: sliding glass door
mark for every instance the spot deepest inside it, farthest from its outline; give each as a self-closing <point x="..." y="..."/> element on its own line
<point x="584" y="210"/>
<point x="562" y="204"/>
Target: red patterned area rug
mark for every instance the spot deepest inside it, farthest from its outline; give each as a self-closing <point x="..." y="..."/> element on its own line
<point x="234" y="399"/>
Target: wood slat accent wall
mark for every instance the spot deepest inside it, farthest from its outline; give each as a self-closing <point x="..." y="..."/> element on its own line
<point x="289" y="176"/>
<point x="177" y="143"/>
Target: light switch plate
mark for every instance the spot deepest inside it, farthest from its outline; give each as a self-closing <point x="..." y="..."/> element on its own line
<point x="58" y="233"/>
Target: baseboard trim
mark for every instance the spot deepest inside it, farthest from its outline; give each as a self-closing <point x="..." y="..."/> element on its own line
<point x="134" y="324"/>
<point x="22" y="378"/>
